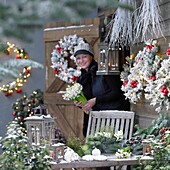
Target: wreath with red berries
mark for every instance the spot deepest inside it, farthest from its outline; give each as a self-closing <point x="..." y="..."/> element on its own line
<point x="63" y="60"/>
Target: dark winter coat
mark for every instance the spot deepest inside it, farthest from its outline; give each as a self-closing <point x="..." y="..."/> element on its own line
<point x="106" y="89"/>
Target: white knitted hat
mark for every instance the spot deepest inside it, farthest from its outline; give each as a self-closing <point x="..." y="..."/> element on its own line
<point x="83" y="48"/>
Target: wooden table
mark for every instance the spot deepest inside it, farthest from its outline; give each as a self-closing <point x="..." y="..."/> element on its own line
<point x="111" y="161"/>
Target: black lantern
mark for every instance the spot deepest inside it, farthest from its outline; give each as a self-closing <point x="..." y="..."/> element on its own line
<point x="109" y="59"/>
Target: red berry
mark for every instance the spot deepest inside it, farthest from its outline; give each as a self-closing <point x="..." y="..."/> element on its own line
<point x="125" y="83"/>
<point x="164" y="87"/>
<point x="165" y="90"/>
<point x="165" y="94"/>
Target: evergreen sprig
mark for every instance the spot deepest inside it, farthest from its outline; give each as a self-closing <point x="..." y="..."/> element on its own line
<point x="23" y="107"/>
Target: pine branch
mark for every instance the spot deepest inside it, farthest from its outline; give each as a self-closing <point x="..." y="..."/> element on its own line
<point x="14" y="16"/>
<point x="15" y="63"/>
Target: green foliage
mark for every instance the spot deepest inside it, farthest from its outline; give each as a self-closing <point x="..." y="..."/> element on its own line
<point x="106" y="144"/>
<point x="161" y="154"/>
<point x="18" y="154"/>
<point x="160" y="148"/>
<point x="23" y="106"/>
<point x="163" y="120"/>
<point x="21" y="18"/>
<point x="75" y="144"/>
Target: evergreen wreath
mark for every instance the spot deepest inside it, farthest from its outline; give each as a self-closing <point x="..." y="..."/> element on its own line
<point x="63" y="60"/>
<point x="149" y="74"/>
<point x="140" y="71"/>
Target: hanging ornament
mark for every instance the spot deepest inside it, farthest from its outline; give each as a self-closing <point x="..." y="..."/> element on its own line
<point x="19" y="90"/>
<point x="148" y="22"/>
<point x="14" y="114"/>
<point x="121" y="25"/>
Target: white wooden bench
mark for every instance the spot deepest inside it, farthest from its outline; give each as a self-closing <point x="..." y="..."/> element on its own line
<point x="104" y="120"/>
<point x="111" y="119"/>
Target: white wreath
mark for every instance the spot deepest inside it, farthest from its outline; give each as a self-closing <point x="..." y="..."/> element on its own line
<point x="62" y="54"/>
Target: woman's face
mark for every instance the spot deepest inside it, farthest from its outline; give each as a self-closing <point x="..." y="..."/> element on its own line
<point x="84" y="60"/>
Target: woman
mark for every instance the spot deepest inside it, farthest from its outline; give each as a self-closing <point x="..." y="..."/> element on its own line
<point x="103" y="92"/>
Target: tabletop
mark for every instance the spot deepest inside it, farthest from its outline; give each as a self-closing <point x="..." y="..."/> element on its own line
<point x="111" y="161"/>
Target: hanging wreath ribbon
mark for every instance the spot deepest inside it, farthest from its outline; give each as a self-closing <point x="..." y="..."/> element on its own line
<point x="63" y="60"/>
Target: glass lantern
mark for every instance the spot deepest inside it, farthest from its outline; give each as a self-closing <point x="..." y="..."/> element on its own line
<point x="40" y="127"/>
<point x="57" y="150"/>
<point x="40" y="110"/>
<point x="108" y="59"/>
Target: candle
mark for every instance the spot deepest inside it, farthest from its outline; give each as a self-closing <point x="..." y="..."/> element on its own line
<point x="38" y="136"/>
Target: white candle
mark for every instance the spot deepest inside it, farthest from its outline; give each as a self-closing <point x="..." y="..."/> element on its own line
<point x="38" y="136"/>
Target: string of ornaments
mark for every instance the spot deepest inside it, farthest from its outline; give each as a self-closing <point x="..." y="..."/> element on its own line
<point x="16" y="85"/>
<point x="23" y="107"/>
<point x="22" y="56"/>
<point x="63" y="59"/>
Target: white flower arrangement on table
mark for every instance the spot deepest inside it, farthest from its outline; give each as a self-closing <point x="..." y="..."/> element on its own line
<point x="75" y="93"/>
<point x="118" y="135"/>
<point x="106" y="141"/>
<point x="62" y="55"/>
<point x="143" y="69"/>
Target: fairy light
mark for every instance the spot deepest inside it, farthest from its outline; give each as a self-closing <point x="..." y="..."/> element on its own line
<point x="16" y="85"/>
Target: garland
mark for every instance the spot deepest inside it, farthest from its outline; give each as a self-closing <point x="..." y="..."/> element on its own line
<point x="9" y="68"/>
<point x="63" y="60"/>
<point x="148" y="73"/>
<point x="158" y="90"/>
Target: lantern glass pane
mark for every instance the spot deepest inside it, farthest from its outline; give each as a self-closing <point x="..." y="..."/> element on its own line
<point x="102" y="59"/>
<point x="113" y="59"/>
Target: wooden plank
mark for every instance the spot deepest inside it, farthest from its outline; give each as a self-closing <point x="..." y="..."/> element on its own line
<point x="61" y="120"/>
<point x="86" y="21"/>
<point x="122" y="125"/>
<point x="55" y="98"/>
<point x="98" y="125"/>
<point x="107" y="124"/>
<point x="56" y="86"/>
<point x="93" y="126"/>
<point x="82" y="31"/>
<point x="127" y="126"/>
<point x="108" y="163"/>
<point x="117" y="124"/>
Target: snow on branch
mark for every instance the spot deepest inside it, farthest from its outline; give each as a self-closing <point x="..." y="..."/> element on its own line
<point x="148" y="21"/>
<point x="121" y="25"/>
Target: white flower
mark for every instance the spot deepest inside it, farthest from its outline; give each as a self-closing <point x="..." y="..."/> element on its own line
<point x="103" y="134"/>
<point x="119" y="135"/>
<point x="122" y="154"/>
<point x="70" y="155"/>
<point x="75" y="93"/>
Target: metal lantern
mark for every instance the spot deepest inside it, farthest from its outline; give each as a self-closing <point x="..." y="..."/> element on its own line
<point x="40" y="127"/>
<point x="108" y="59"/>
<point x="57" y="150"/>
<point x="40" y="110"/>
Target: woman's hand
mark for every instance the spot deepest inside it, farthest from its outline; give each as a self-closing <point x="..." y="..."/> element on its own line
<point x="78" y="104"/>
<point x="87" y="107"/>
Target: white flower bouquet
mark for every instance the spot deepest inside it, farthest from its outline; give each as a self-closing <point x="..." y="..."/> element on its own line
<point x="75" y="93"/>
<point x="107" y="141"/>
